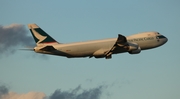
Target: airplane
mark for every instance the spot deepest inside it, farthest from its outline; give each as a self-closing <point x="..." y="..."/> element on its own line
<point x="103" y="48"/>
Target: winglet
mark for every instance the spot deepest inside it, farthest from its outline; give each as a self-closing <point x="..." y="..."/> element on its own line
<point x="121" y="39"/>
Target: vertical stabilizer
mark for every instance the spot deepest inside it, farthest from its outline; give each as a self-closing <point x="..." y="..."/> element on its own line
<point x="40" y="36"/>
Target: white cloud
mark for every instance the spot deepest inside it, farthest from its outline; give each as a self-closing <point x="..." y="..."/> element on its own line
<point x="77" y="93"/>
<point x="30" y="95"/>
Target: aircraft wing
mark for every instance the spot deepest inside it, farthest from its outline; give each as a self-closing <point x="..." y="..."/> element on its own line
<point x="121" y="43"/>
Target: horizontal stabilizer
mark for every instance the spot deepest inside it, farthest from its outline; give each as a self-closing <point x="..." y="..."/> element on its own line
<point x="48" y="48"/>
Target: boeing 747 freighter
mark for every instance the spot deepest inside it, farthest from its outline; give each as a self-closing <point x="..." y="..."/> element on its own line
<point x="104" y="48"/>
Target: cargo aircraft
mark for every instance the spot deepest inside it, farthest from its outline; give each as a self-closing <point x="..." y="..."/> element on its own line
<point x="104" y="48"/>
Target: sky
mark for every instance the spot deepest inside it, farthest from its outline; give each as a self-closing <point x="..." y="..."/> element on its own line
<point x="152" y="74"/>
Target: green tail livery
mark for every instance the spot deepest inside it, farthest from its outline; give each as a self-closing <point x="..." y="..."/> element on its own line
<point x="40" y="36"/>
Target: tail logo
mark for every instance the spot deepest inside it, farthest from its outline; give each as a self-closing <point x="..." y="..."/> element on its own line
<point x="39" y="37"/>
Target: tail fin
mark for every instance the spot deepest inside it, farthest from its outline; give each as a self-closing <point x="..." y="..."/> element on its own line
<point x="40" y="36"/>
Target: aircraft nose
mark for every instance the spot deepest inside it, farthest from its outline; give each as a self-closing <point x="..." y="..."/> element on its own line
<point x="165" y="39"/>
<point x="162" y="39"/>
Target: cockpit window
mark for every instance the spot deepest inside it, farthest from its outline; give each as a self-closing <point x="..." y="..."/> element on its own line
<point x="160" y="37"/>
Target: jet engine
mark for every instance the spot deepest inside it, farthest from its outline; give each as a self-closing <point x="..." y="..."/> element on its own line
<point x="133" y="48"/>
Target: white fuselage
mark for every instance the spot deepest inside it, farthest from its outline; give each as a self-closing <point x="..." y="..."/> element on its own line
<point x="146" y="40"/>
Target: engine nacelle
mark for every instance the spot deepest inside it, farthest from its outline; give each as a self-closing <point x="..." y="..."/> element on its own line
<point x="133" y="48"/>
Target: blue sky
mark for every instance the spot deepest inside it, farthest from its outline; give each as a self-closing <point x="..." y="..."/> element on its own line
<point x="151" y="74"/>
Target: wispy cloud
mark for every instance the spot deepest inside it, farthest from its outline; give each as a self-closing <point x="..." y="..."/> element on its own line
<point x="30" y="95"/>
<point x="5" y="94"/>
<point x="77" y="93"/>
<point x="3" y="91"/>
<point x="12" y="36"/>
